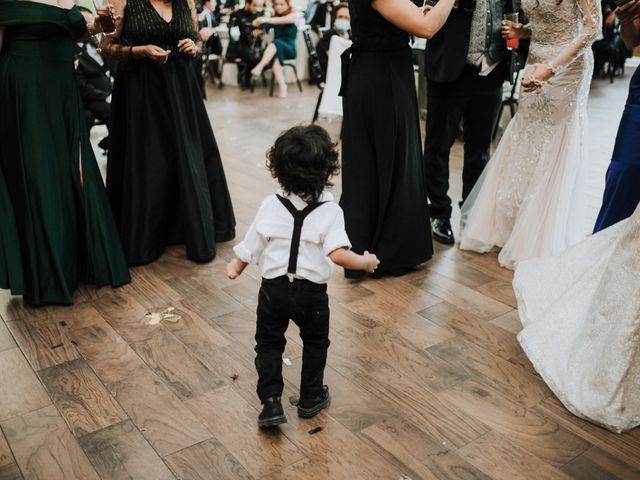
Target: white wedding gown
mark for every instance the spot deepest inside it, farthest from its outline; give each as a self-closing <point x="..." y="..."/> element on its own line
<point x="581" y="315"/>
<point x="538" y="195"/>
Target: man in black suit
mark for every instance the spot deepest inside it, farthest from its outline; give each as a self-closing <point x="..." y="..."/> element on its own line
<point x="248" y="46"/>
<point x="94" y="81"/>
<point x="465" y="65"/>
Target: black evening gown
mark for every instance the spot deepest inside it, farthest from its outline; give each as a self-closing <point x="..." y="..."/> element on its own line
<point x="383" y="192"/>
<point x="56" y="227"/>
<point x="165" y="178"/>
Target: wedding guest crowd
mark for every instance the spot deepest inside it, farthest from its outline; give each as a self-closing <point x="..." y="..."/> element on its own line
<point x="166" y="182"/>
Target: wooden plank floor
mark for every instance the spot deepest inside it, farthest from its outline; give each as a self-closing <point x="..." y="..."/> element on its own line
<point x="428" y="380"/>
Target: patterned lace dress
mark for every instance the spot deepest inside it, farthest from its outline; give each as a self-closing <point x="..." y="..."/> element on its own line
<point x="537" y="195"/>
<point x="581" y="317"/>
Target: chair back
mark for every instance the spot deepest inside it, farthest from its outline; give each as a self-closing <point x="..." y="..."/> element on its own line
<point x="316" y="69"/>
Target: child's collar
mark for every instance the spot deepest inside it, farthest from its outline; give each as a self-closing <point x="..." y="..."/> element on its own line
<point x="299" y="203"/>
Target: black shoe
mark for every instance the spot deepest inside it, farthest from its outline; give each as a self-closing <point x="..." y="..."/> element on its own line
<point x="104" y="143"/>
<point x="441" y="230"/>
<point x="272" y="413"/>
<point x="310" y="408"/>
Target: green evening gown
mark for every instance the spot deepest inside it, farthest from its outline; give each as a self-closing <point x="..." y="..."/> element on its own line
<point x="55" y="230"/>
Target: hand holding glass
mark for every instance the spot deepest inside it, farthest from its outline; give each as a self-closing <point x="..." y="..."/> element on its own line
<point x="104" y="12"/>
<point x="512" y="43"/>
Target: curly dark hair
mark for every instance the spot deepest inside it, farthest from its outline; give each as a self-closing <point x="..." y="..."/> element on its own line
<point x="303" y="159"/>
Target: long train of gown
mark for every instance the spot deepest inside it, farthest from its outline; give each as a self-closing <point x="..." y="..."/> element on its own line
<point x="581" y="316"/>
<point x="538" y="194"/>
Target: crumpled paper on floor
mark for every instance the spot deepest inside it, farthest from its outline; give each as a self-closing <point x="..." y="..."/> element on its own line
<point x="154" y="318"/>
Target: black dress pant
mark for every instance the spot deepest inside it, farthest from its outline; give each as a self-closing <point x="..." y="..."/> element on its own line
<point x="97" y="110"/>
<point x="307" y="304"/>
<point x="474" y="100"/>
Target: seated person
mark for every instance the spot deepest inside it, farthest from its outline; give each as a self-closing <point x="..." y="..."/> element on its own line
<point x="248" y="47"/>
<point x="208" y="20"/>
<point x="283" y="47"/>
<point x="341" y="26"/>
<point x="229" y="6"/>
<point x="611" y="47"/>
<point x="94" y="81"/>
<point x="315" y="14"/>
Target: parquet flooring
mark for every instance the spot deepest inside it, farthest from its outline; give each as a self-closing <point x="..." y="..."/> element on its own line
<point x="428" y="380"/>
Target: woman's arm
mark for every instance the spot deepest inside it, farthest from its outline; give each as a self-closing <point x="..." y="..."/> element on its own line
<point x="284" y="20"/>
<point x="405" y="15"/>
<point x="109" y="44"/>
<point x="93" y="27"/>
<point x="592" y="20"/>
<point x="192" y="46"/>
<point x="111" y="47"/>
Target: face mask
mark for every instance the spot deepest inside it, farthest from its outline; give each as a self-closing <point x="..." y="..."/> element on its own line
<point x="342" y="25"/>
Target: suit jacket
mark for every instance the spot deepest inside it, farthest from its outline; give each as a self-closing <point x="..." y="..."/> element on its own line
<point x="213" y="44"/>
<point x="93" y="78"/>
<point x="446" y="53"/>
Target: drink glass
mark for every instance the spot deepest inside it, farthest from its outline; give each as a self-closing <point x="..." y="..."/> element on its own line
<point x="512" y="43"/>
<point x="104" y="16"/>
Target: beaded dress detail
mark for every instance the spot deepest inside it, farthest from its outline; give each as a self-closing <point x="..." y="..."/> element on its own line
<point x="537" y="195"/>
<point x="582" y="327"/>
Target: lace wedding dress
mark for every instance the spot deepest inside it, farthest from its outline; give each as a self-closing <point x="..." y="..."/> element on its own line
<point x="538" y="195"/>
<point x="581" y="317"/>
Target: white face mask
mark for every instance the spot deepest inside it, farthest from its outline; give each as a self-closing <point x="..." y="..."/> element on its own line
<point x="342" y="25"/>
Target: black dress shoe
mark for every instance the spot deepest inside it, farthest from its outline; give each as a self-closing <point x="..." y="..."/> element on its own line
<point x="310" y="408"/>
<point x="441" y="230"/>
<point x="272" y="413"/>
<point x="104" y="143"/>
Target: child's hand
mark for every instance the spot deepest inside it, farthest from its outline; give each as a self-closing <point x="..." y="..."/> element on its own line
<point x="371" y="261"/>
<point x="235" y="268"/>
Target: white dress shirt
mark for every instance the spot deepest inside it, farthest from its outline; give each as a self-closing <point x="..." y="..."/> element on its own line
<point x="268" y="240"/>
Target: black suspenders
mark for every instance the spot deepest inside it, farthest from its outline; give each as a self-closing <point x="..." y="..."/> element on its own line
<point x="298" y="220"/>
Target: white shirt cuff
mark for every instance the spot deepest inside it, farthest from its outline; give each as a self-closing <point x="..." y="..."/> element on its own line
<point x="243" y="253"/>
<point x="334" y="241"/>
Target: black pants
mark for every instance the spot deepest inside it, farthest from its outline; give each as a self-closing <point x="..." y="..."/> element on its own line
<point x="475" y="100"/>
<point x="307" y="304"/>
<point x="97" y="111"/>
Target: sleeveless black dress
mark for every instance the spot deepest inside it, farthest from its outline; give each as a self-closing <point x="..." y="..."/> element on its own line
<point x="165" y="178"/>
<point x="383" y="192"/>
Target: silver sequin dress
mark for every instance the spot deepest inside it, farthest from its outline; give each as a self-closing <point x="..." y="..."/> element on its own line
<point x="532" y="198"/>
<point x="581" y="317"/>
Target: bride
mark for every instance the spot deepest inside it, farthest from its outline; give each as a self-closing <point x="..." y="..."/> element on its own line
<point x="582" y="330"/>
<point x="531" y="199"/>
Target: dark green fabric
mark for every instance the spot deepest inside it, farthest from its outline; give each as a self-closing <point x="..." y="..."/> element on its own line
<point x="55" y="231"/>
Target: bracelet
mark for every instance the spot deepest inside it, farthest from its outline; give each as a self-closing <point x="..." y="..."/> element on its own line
<point x="131" y="52"/>
<point x="552" y="68"/>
